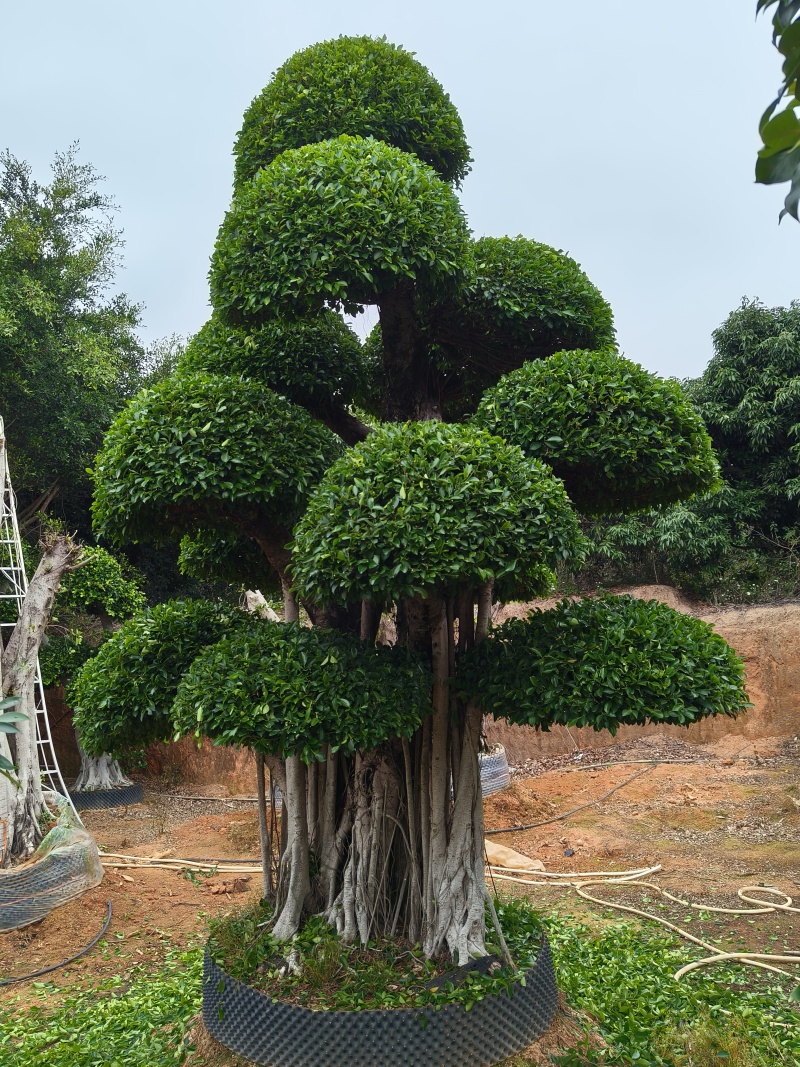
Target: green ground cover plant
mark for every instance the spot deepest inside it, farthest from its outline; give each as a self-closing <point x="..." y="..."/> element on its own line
<point x="619" y="974"/>
<point x="134" y="1021"/>
<point x="334" y="975"/>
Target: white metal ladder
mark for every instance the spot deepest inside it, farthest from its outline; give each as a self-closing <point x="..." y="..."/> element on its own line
<point x="13" y="587"/>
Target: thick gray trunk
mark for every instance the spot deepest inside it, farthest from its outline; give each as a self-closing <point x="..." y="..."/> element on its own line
<point x="294" y="882"/>
<point x="24" y="802"/>
<point x="99" y="772"/>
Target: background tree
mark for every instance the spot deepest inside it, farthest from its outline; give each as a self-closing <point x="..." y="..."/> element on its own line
<point x="779" y="159"/>
<point x="738" y="542"/>
<point x="425" y="515"/>
<point x="69" y="355"/>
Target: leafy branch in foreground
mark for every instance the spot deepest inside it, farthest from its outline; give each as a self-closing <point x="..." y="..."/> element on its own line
<point x="779" y="159"/>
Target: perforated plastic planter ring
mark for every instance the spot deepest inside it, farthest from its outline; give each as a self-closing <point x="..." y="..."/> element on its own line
<point x="106" y="798"/>
<point x="274" y="1034"/>
<point x="495" y="773"/>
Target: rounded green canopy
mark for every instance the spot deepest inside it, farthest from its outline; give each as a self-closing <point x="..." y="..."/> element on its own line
<point x="122" y="698"/>
<point x="335" y="223"/>
<point x="362" y="86"/>
<point x="621" y="439"/>
<point x="283" y="689"/>
<point x="309" y="361"/>
<point x="196" y="449"/>
<point x="424" y="506"/>
<point x="605" y="662"/>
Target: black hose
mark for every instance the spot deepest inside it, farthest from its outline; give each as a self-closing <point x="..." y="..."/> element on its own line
<point x="77" y="956"/>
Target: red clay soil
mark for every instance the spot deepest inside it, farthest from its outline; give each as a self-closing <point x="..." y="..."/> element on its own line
<point x="714" y="825"/>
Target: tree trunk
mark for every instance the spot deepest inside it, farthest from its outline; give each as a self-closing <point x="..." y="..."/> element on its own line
<point x="409" y="388"/>
<point x="98" y="772"/>
<point x="294" y="883"/>
<point x="399" y="841"/>
<point x="22" y="804"/>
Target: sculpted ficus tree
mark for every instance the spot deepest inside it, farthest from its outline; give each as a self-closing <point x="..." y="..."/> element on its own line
<point x="434" y="468"/>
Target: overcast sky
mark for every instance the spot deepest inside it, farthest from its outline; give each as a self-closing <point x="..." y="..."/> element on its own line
<point x="623" y="133"/>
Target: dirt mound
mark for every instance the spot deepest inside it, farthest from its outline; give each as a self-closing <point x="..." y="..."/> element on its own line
<point x="664" y="593"/>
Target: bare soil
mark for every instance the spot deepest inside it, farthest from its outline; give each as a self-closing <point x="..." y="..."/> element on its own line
<point x="723" y="817"/>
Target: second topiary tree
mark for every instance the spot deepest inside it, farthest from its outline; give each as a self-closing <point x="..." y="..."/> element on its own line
<point x="501" y="403"/>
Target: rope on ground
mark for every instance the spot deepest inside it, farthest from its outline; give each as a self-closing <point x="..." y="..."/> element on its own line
<point x="566" y="815"/>
<point x="580" y="880"/>
<point x="123" y="861"/>
<point x="77" y="956"/>
<point x="193" y="796"/>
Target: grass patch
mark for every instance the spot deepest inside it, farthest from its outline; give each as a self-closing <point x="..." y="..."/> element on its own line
<point x="619" y="975"/>
<point x="622" y="977"/>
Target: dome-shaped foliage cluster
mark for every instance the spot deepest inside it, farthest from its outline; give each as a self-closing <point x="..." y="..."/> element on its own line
<point x="122" y="698"/>
<point x="283" y="689"/>
<point x="307" y="360"/>
<point x="187" y="451"/>
<point x="358" y="86"/>
<point x="339" y="223"/>
<point x="529" y="299"/>
<point x="605" y="662"/>
<point x="100" y="583"/>
<point x="422" y="506"/>
<point x="222" y="555"/>
<point x="622" y="439"/>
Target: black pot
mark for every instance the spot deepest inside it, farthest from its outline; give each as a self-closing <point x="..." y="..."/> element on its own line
<point x="106" y="798"/>
<point x="275" y="1034"/>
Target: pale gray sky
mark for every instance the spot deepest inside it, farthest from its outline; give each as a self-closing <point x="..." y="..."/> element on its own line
<point x="624" y="133"/>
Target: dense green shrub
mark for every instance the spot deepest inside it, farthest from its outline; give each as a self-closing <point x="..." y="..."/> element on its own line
<point x="339" y="223"/>
<point x="361" y="86"/>
<point x="284" y="689"/>
<point x="225" y="556"/>
<point x="61" y="656"/>
<point x="122" y="698"/>
<point x="620" y="437"/>
<point x="186" y="452"/>
<point x="423" y="506"/>
<point x="100" y="584"/>
<point x="310" y="361"/>
<point x="605" y="662"/>
<point x="527" y="300"/>
<point x="749" y="398"/>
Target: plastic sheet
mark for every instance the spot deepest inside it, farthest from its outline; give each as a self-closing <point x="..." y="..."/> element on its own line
<point x="65" y="865"/>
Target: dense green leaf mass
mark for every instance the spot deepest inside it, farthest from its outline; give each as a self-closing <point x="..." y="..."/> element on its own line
<point x="605" y="662"/>
<point x="121" y="699"/>
<point x="101" y="584"/>
<point x="283" y="689"/>
<point x="621" y="438"/>
<point x="224" y="555"/>
<point x="197" y="446"/>
<point x="339" y="223"/>
<point x="358" y="86"/>
<point x="749" y="398"/>
<point x="62" y="656"/>
<point x="421" y="506"/>
<point x="779" y="158"/>
<point x="69" y="355"/>
<point x="528" y="300"/>
<point x="310" y="361"/>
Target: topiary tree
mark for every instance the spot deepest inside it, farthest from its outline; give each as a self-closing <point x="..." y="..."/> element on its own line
<point x="90" y="604"/>
<point x="343" y="199"/>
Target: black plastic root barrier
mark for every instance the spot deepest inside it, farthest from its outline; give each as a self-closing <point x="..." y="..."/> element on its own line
<point x="274" y="1034"/>
<point x="106" y="798"/>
